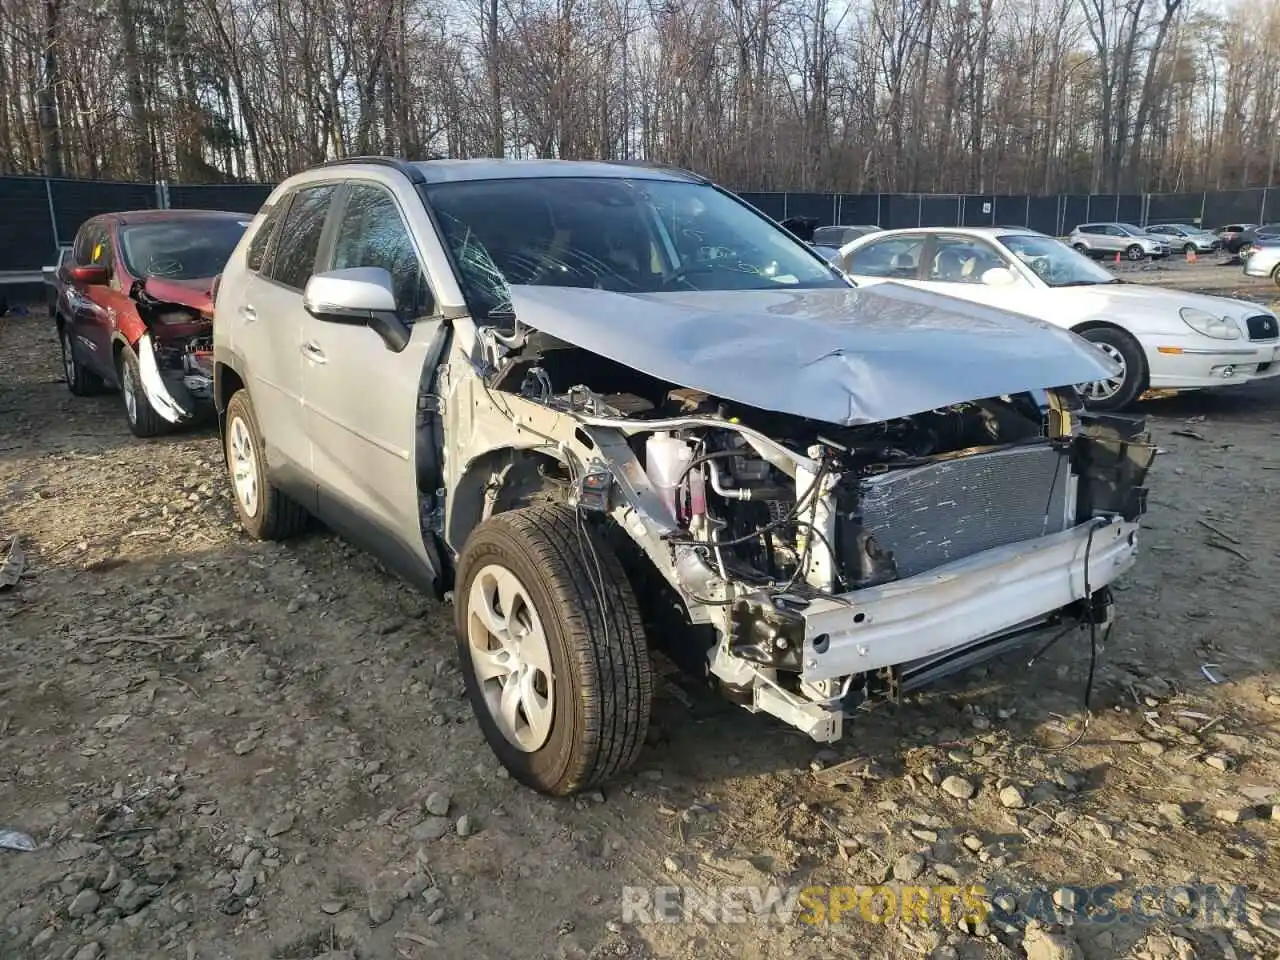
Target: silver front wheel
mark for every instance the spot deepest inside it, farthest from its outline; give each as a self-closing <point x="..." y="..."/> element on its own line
<point x="129" y="387"/>
<point x="1106" y="389"/>
<point x="510" y="657"/>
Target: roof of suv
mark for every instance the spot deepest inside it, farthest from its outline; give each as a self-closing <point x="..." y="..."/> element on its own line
<point x="440" y="171"/>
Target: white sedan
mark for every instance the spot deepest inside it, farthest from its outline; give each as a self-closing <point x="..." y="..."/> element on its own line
<point x="1162" y="340"/>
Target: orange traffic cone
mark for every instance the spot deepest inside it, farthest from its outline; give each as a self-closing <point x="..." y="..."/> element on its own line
<point x="1117" y="256"/>
<point x="1191" y="256"/>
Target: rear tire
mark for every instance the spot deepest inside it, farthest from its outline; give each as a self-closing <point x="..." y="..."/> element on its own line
<point x="1081" y="249"/>
<point x="1121" y="347"/>
<point x="143" y="420"/>
<point x="1189" y="248"/>
<point x="1135" y="253"/>
<point x="266" y="512"/>
<point x="80" y="381"/>
<point x="1275" y="275"/>
<point x="547" y="620"/>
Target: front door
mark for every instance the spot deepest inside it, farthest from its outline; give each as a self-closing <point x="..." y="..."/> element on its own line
<point x="361" y="396"/>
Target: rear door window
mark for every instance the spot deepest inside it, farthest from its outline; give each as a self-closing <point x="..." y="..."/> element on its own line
<point x="299" y="242"/>
<point x="896" y="257"/>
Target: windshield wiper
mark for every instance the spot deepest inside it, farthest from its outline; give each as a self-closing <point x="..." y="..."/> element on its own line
<point x="1090" y="283"/>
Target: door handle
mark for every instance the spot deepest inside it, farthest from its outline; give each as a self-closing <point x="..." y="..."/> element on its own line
<point x="311" y="350"/>
<point x="248" y="313"/>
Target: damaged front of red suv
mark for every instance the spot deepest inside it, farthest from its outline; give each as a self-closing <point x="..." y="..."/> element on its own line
<point x="175" y="350"/>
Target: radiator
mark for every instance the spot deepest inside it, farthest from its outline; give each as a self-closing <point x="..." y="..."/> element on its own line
<point x="927" y="516"/>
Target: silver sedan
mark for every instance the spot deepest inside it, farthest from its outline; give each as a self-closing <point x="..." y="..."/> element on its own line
<point x="1264" y="259"/>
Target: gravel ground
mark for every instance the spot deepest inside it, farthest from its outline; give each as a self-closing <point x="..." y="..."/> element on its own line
<point x="230" y="749"/>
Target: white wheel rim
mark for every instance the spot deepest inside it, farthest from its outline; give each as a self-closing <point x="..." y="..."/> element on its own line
<point x="68" y="358"/>
<point x="1135" y="253"/>
<point x="1106" y="389"/>
<point x="244" y="466"/>
<point x="130" y="391"/>
<point x="510" y="657"/>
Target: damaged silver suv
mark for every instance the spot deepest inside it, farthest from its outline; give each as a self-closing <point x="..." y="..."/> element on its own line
<point x="608" y="407"/>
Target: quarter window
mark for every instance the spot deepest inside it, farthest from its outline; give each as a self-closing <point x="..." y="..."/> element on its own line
<point x="295" y="255"/>
<point x="373" y="234"/>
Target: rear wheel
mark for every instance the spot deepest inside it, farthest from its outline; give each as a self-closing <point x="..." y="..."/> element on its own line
<point x="265" y="512"/>
<point x="143" y="419"/>
<point x="1135" y="252"/>
<point x="1127" y="385"/>
<point x="552" y="649"/>
<point x="1081" y="248"/>
<point x="80" y="381"/>
<point x="1275" y="274"/>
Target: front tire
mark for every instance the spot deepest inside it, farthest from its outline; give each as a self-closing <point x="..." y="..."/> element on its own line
<point x="80" y="381"/>
<point x="1275" y="275"/>
<point x="1081" y="249"/>
<point x="143" y="420"/>
<point x="552" y="649"/>
<point x="266" y="512"/>
<point x="1118" y="392"/>
<point x="1135" y="253"/>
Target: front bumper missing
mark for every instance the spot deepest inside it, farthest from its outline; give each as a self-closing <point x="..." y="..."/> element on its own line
<point x="971" y="601"/>
<point x="179" y="395"/>
<point x="934" y="624"/>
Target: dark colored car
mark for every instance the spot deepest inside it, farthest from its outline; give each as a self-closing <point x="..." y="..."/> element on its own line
<point x="840" y="235"/>
<point x="1235" y="236"/>
<point x="134" y="310"/>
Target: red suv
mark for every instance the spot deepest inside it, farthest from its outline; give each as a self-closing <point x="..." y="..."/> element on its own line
<point x="135" y="310"/>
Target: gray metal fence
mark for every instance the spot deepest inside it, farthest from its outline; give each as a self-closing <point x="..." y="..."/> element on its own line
<point x="39" y="214"/>
<point x="1055" y="215"/>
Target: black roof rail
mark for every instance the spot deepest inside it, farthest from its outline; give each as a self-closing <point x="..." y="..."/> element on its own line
<point x="659" y="165"/>
<point x="404" y="166"/>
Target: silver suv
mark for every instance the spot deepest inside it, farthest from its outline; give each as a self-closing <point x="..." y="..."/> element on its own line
<point x="605" y="406"/>
<point x="1124" y="238"/>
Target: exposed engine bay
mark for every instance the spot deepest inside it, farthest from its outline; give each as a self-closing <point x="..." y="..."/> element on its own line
<point x="821" y="555"/>
<point x="175" y="354"/>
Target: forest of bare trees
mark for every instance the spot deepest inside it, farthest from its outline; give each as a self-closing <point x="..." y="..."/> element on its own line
<point x="1035" y="96"/>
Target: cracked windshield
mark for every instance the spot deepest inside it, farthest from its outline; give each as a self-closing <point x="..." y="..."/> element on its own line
<point x="621" y="235"/>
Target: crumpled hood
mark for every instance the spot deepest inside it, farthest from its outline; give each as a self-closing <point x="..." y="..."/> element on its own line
<point x="197" y="294"/>
<point x="842" y="355"/>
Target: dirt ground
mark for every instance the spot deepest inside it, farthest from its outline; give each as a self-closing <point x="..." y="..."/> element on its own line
<point x="230" y="749"/>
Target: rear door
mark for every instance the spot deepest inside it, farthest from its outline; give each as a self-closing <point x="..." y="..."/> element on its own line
<point x="269" y="331"/>
<point x="90" y="305"/>
<point x="361" y="396"/>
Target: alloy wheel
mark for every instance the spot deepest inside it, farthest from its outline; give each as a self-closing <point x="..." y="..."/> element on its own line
<point x="68" y="358"/>
<point x="1106" y="389"/>
<point x="244" y="465"/>
<point x="129" y="387"/>
<point x="512" y="661"/>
